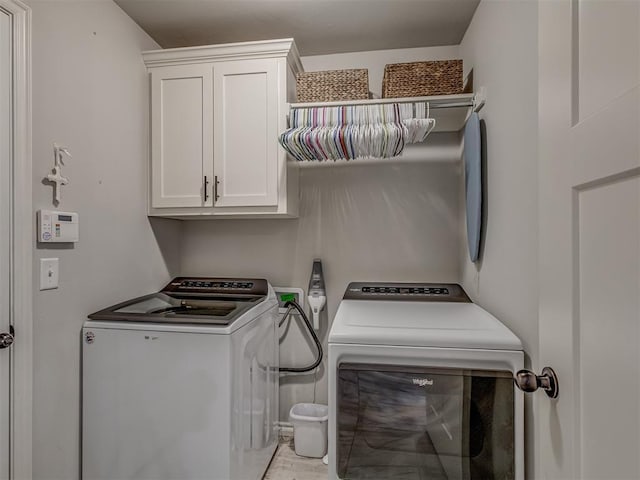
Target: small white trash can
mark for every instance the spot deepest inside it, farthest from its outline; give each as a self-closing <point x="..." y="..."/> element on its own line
<point x="309" y="429"/>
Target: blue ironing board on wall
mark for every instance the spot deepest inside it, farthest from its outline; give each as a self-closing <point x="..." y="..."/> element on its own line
<point x="473" y="184"/>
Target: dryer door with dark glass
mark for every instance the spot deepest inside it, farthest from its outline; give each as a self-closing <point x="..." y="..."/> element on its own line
<point x="421" y="423"/>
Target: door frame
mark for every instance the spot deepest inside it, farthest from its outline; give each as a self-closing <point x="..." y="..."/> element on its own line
<point x="21" y="358"/>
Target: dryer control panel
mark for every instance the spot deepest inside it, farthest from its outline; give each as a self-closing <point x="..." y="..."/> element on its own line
<point x="422" y="292"/>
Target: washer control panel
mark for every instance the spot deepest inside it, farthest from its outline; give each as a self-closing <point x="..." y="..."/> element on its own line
<point x="206" y="285"/>
<point x="424" y="292"/>
<point x="201" y="284"/>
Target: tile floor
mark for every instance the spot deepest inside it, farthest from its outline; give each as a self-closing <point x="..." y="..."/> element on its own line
<point x="286" y="465"/>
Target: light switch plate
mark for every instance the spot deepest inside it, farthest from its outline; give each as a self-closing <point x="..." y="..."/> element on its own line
<point x="49" y="268"/>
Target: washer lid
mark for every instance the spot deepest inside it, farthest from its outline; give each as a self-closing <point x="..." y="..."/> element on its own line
<point x="173" y="308"/>
<point x="194" y="300"/>
<point x="420" y="324"/>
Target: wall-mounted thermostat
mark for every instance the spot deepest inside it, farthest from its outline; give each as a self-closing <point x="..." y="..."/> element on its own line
<point x="55" y="226"/>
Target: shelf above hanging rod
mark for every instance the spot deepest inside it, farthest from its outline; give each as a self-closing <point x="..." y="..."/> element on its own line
<point x="436" y="101"/>
<point x="450" y="111"/>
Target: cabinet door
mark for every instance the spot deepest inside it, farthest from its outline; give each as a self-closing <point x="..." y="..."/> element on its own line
<point x="245" y="132"/>
<point x="182" y="125"/>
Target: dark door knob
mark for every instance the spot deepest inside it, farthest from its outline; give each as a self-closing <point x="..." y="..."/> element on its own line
<point x="6" y="340"/>
<point x="528" y="382"/>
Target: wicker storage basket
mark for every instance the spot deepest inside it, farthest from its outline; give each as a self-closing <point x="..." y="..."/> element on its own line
<point x="332" y="85"/>
<point x="418" y="79"/>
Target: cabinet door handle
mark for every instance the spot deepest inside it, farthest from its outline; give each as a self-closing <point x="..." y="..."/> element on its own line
<point x="215" y="188"/>
<point x="206" y="182"/>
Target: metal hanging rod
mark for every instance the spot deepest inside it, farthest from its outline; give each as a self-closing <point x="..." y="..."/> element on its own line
<point x="440" y="101"/>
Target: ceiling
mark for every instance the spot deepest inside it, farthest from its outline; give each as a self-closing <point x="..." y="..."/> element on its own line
<point x="318" y="26"/>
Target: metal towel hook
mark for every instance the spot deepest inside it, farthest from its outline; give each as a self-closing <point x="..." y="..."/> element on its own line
<point x="528" y="381"/>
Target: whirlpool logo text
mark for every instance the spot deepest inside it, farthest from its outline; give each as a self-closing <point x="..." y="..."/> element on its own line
<point x="423" y="382"/>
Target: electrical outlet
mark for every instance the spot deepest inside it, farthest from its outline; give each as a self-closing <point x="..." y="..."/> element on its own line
<point x="49" y="268"/>
<point x="284" y="294"/>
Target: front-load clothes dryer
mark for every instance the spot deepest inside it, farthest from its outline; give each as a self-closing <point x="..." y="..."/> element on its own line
<point x="421" y="387"/>
<point x="182" y="384"/>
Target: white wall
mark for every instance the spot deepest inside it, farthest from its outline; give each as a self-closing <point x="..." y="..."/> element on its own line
<point x="392" y="221"/>
<point x="501" y="46"/>
<point x="90" y="93"/>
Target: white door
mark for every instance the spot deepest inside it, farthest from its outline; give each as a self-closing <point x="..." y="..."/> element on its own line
<point x="5" y="233"/>
<point x="245" y="133"/>
<point x="590" y="238"/>
<point x="182" y="135"/>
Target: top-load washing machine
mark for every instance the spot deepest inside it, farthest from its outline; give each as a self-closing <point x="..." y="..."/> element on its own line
<point x="421" y="387"/>
<point x="182" y="383"/>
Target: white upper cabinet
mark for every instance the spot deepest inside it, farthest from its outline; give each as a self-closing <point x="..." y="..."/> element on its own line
<point x="245" y="128"/>
<point x="181" y="140"/>
<point x="216" y="113"/>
